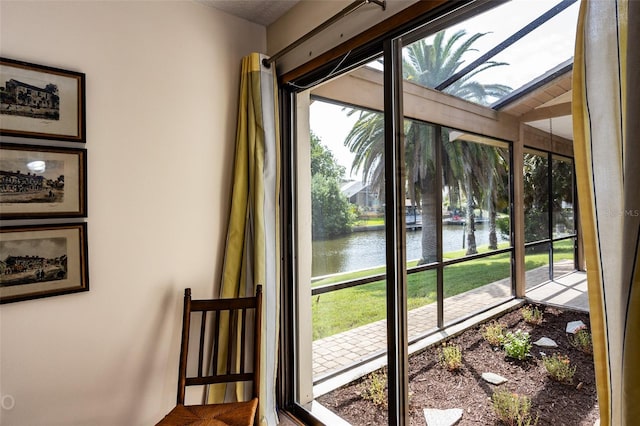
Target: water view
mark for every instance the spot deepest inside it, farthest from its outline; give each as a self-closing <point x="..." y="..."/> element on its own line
<point x="361" y="250"/>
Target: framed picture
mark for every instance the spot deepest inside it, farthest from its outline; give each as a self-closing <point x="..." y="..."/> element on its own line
<point x="41" y="181"/>
<point x="42" y="260"/>
<point x="41" y="102"/>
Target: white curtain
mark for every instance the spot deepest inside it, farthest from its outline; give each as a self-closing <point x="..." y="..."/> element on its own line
<point x="252" y="254"/>
<point x="607" y="156"/>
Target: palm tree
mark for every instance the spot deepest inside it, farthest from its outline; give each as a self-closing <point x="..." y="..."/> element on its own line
<point x="431" y="64"/>
<point x="496" y="189"/>
<point x="473" y="178"/>
<point x="428" y="65"/>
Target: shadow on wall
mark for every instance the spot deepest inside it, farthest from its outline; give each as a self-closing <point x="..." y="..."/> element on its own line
<point x="159" y="359"/>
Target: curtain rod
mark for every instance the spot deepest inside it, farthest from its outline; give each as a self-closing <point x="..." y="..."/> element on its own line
<point x="344" y="12"/>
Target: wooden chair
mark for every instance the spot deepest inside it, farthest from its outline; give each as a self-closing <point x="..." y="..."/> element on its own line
<point x="233" y="413"/>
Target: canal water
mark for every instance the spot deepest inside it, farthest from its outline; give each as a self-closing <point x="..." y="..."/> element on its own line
<point x="361" y="250"/>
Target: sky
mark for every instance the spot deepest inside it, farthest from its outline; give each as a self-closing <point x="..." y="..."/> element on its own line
<point x="50" y="170"/>
<point x="551" y="44"/>
<point x="45" y="247"/>
<point x="330" y="123"/>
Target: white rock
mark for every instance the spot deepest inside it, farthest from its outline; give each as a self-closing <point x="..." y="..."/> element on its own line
<point x="545" y="342"/>
<point x="448" y="417"/>
<point x="494" y="378"/>
<point x="574" y="326"/>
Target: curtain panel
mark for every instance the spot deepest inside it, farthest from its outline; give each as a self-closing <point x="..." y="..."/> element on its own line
<point x="252" y="252"/>
<point x="607" y="156"/>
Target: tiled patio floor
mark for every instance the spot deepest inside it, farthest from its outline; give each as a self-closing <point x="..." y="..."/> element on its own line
<point x="569" y="290"/>
<point x="334" y="353"/>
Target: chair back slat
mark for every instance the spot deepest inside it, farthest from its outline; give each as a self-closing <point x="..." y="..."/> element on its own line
<point x="216" y="339"/>
<point x="203" y="329"/>
<point x="231" y="317"/>
<point x="230" y="328"/>
<point x="243" y="334"/>
<point x="220" y="378"/>
<point x="257" y="342"/>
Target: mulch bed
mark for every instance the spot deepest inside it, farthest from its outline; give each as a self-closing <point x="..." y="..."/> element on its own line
<point x="432" y="386"/>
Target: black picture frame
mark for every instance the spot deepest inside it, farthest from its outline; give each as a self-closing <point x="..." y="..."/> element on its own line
<point x="42" y="181"/>
<point x="39" y="261"/>
<point x="41" y="102"/>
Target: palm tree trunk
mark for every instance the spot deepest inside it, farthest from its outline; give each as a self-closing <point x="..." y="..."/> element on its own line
<point x="429" y="226"/>
<point x="493" y="238"/>
<point x="470" y="217"/>
<point x="454" y="197"/>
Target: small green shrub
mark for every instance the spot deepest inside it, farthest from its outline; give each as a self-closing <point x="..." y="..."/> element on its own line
<point x="559" y="367"/>
<point x="493" y="333"/>
<point x="517" y="345"/>
<point x="451" y="357"/>
<point x="532" y="315"/>
<point x="374" y="388"/>
<point x="503" y="225"/>
<point x="582" y="341"/>
<point x="513" y="409"/>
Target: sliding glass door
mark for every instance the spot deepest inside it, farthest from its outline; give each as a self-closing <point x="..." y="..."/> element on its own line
<point x="402" y="227"/>
<point x="400" y="207"/>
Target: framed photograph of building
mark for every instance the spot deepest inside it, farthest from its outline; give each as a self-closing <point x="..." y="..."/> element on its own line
<point x="41" y="102"/>
<point x="42" y="182"/>
<point x="42" y="260"/>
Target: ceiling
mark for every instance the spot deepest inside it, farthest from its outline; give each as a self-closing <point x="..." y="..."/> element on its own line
<point x="546" y="106"/>
<point x="262" y="12"/>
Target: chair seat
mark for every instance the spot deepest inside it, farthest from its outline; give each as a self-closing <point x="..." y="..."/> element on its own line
<point x="228" y="414"/>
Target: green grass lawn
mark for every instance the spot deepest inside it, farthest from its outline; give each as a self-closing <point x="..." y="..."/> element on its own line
<point x="345" y="309"/>
<point x="370" y="221"/>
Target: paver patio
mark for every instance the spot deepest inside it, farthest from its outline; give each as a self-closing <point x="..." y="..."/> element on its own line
<point x="334" y="353"/>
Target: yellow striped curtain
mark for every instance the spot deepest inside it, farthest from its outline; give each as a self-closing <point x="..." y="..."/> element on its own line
<point x="252" y="254"/>
<point x="607" y="156"/>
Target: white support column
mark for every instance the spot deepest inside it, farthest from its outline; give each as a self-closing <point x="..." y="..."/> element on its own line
<point x="304" y="333"/>
<point x="518" y="213"/>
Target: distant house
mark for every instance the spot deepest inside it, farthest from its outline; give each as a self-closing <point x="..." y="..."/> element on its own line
<point x="15" y="182"/>
<point x="22" y="99"/>
<point x="24" y="94"/>
<point x="360" y="194"/>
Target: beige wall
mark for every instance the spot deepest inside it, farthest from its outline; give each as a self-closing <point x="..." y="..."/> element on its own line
<point x="162" y="81"/>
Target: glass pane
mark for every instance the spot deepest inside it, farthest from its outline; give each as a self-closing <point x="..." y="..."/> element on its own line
<point x="536" y="260"/>
<point x="423" y="200"/>
<point x="476" y="285"/>
<point x="347" y="207"/>
<point x="536" y="196"/>
<point x="422" y="184"/>
<point x="563" y="257"/>
<point x="346" y="148"/>
<point x="345" y="332"/>
<point x="475" y="202"/>
<point x="435" y="58"/>
<point x="430" y="61"/>
<point x="535" y="54"/>
<point x="422" y="303"/>
<point x="562" y="186"/>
